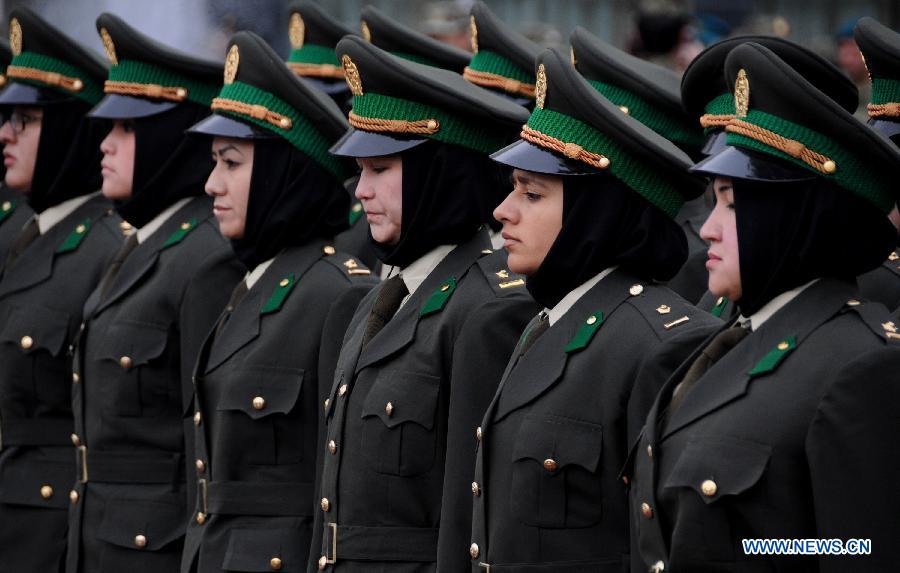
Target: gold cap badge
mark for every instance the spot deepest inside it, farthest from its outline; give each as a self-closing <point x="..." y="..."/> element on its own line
<point x="15" y="36"/>
<point x="367" y="34"/>
<point x="540" y="87"/>
<point x="473" y="34"/>
<point x="741" y="94"/>
<point x="109" y="47"/>
<point x="351" y="74"/>
<point x="296" y="30"/>
<point x="231" y="64"/>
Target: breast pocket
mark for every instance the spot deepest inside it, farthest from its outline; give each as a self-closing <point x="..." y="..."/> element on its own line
<point x="145" y="380"/>
<point x="554" y="480"/>
<point x="398" y="418"/>
<point x="263" y="550"/>
<point x="257" y="408"/>
<point x="37" y="336"/>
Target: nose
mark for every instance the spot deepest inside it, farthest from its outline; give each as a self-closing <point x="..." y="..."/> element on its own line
<point x="7" y="134"/>
<point x="214" y="187"/>
<point x="364" y="190"/>
<point x="505" y="212"/>
<point x="711" y="230"/>
<point x="106" y="146"/>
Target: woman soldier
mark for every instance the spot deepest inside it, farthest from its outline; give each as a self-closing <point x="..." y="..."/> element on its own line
<point x="590" y="222"/>
<point x="145" y="322"/>
<point x="425" y="349"/>
<point x="51" y="156"/>
<point x="264" y="372"/>
<point x="785" y="424"/>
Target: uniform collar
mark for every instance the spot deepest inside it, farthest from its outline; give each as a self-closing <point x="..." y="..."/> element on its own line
<point x="53" y="215"/>
<point x="570" y="299"/>
<point x="416" y="272"/>
<point x="156" y="222"/>
<point x="253" y="276"/>
<point x="757" y="319"/>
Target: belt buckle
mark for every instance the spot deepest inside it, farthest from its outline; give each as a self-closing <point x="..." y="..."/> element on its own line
<point x="486" y="567"/>
<point x="81" y="460"/>
<point x="333" y="527"/>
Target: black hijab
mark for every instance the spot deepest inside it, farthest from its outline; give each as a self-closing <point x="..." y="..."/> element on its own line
<point x="68" y="156"/>
<point x="168" y="165"/>
<point x="447" y="189"/>
<point x="292" y="200"/>
<point x="791" y="233"/>
<point x="606" y="224"/>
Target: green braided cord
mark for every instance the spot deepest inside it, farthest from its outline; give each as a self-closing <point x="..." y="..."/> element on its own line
<point x="640" y="177"/>
<point x="303" y="135"/>
<point x="673" y="128"/>
<point x="453" y="129"/>
<point x="134" y="71"/>
<point x="852" y="173"/>
<point x="314" y="54"/>
<point x="885" y="90"/>
<point x="720" y="105"/>
<point x="92" y="92"/>
<point x="418" y="59"/>
<point x="493" y="63"/>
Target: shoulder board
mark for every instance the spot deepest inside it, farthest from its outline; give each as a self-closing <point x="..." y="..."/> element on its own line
<point x="876" y="317"/>
<point x="183" y="231"/>
<point x="356" y="212"/>
<point x="77" y="235"/>
<point x="438" y="299"/>
<point x="282" y="289"/>
<point x="348" y="265"/>
<point x="664" y="310"/>
<point x="502" y="280"/>
<point x="773" y="358"/>
<point x="7" y="209"/>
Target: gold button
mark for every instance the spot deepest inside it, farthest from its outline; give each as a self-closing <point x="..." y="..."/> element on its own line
<point x="125" y="226"/>
<point x="73" y="496"/>
<point x="259" y="403"/>
<point x="445" y="288"/>
<point x="140" y="541"/>
<point x="75" y="378"/>
<point x="325" y="504"/>
<point x="327" y="402"/>
<point x="431" y="125"/>
<point x="76" y="441"/>
<point x="80" y="229"/>
<point x="478" y="433"/>
<point x="275" y="564"/>
<point x="26" y="342"/>
<point x="720" y="300"/>
<point x="201" y="518"/>
<point x="852" y="302"/>
<point x="46" y="492"/>
<point x="624" y="109"/>
<point x="636" y="290"/>
<point x="7" y="205"/>
<point x="550" y="465"/>
<point x="893" y="256"/>
<point x="198" y="417"/>
<point x="829" y="167"/>
<point x="591" y="319"/>
<point x="663" y="309"/>
<point x="284" y="283"/>
<point x="783" y="345"/>
<point x="284" y="123"/>
<point x="486" y="251"/>
<point x="649" y="451"/>
<point x="476" y="489"/>
<point x="77" y="85"/>
<point x="604" y="162"/>
<point x="342" y="390"/>
<point x="201" y="467"/>
<point x="646" y="510"/>
<point x="185" y="226"/>
<point x="328" y="250"/>
<point x="357" y="208"/>
<point x="658" y="567"/>
<point x="389" y="409"/>
<point x="332" y="447"/>
<point x="323" y="563"/>
<point x="709" y="488"/>
<point x="625" y="480"/>
<point x="474" y="551"/>
<point x="125" y="362"/>
<point x="181" y="93"/>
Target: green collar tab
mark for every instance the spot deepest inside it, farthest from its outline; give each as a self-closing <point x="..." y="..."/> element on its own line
<point x="447" y="127"/>
<point x="439" y="297"/>
<point x="180" y="234"/>
<point x="851" y="172"/>
<point x="636" y="174"/>
<point x="673" y="128"/>
<point x="276" y="300"/>
<point x="299" y="131"/>
<point x="356" y="211"/>
<point x="314" y="54"/>
<point x="143" y="79"/>
<point x="720" y="307"/>
<point x="7" y="209"/>
<point x="584" y="335"/>
<point x="771" y="360"/>
<point x="46" y="71"/>
<point x="75" y="237"/>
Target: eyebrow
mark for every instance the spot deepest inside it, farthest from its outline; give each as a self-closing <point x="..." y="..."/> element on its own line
<point x="526" y="180"/>
<point x="722" y="188"/>
<point x="226" y="148"/>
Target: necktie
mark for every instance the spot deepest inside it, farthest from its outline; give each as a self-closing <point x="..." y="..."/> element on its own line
<point x="386" y="304"/>
<point x="106" y="283"/>
<point x="535" y="332"/>
<point x="714" y="351"/>
<point x="239" y="292"/>
<point x="30" y="232"/>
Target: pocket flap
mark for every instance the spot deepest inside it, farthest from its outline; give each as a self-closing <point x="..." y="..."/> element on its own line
<point x="262" y="391"/>
<point x="715" y="467"/>
<point x="267" y="550"/>
<point x="398" y="397"/>
<point x="142" y="524"/>
<point x="36" y="483"/>
<point x="564" y="441"/>
<point x="33" y="328"/>
<point x="139" y="343"/>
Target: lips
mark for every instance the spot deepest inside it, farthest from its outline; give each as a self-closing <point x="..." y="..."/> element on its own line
<point x="712" y="259"/>
<point x="8" y="159"/>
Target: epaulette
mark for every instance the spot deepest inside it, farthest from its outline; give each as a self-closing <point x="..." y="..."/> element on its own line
<point x="349" y="265"/>
<point x="665" y="311"/>
<point x="502" y="280"/>
<point x="877" y="318"/>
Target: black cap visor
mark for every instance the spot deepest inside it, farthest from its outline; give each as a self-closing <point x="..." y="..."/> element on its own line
<point x="221" y="126"/>
<point x="359" y="143"/>
<point x="530" y="157"/>
<point x="715" y="142"/>
<point x="115" y="106"/>
<point x="26" y="94"/>
<point x="739" y="163"/>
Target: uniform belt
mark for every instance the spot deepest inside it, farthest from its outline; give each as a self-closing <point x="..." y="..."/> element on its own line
<point x="128" y="467"/>
<point x="607" y="566"/>
<point x="258" y="498"/>
<point x="37" y="432"/>
<point x="380" y="543"/>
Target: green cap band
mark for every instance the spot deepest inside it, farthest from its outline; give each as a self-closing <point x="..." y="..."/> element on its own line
<point x="90" y="92"/>
<point x="314" y="54"/>
<point x="493" y="63"/>
<point x="672" y="128"/>
<point x="720" y="105"/>
<point x="452" y="129"/>
<point x="144" y="73"/>
<point x="640" y="177"/>
<point x="302" y="134"/>
<point x="851" y="173"/>
<point x="885" y="91"/>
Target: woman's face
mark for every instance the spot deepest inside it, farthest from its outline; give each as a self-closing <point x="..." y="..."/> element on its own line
<point x="532" y="218"/>
<point x="380" y="189"/>
<point x="20" y="135"/>
<point x="117" y="167"/>
<point x="229" y="184"/>
<point x="720" y="231"/>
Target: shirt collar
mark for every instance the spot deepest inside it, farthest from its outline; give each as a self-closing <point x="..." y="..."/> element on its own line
<point x="415" y="274"/>
<point x="50" y="216"/>
<point x="156" y="222"/>
<point x="253" y="276"/>
<point x="568" y="301"/>
<point x="759" y="317"/>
